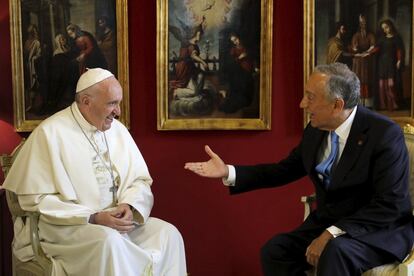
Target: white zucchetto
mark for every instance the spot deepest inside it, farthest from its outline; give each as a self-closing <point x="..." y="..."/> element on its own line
<point x="92" y="76"/>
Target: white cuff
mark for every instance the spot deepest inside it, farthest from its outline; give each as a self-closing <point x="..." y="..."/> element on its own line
<point x="335" y="231"/>
<point x="231" y="178"/>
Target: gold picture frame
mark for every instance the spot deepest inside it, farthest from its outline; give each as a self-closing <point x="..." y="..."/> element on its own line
<point x="39" y="33"/>
<point x="187" y="105"/>
<point x="324" y="29"/>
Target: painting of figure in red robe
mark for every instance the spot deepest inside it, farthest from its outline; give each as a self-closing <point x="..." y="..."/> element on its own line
<point x="374" y="38"/>
<point x="60" y="40"/>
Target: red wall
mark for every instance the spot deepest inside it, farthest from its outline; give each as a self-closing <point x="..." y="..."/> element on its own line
<point x="223" y="234"/>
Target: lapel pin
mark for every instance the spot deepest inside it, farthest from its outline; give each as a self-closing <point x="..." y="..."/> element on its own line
<point x="361" y="140"/>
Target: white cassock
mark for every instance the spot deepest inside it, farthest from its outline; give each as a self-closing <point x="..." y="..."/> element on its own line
<point x="59" y="174"/>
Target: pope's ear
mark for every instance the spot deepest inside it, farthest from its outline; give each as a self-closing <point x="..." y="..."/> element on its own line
<point x="84" y="99"/>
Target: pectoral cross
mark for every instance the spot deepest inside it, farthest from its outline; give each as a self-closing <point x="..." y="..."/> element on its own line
<point x="114" y="190"/>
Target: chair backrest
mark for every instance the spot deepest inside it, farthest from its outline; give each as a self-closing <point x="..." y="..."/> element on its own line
<point x="409" y="140"/>
<point x="6" y="161"/>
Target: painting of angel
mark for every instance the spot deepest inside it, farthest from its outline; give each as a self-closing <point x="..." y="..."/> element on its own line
<point x="214" y="64"/>
<point x="206" y="76"/>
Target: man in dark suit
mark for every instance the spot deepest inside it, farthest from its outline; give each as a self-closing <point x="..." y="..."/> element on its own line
<point x="358" y="163"/>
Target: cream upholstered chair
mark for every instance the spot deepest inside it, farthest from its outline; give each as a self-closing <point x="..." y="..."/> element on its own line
<point x="40" y="265"/>
<point x="405" y="268"/>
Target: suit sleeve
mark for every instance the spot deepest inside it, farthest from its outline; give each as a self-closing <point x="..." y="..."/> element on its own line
<point x="269" y="175"/>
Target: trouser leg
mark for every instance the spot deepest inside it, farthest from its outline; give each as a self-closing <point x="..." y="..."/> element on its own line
<point x="349" y="257"/>
<point x="284" y="254"/>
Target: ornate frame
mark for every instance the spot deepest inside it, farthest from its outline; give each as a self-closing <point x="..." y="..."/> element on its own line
<point x="24" y="124"/>
<point x="262" y="121"/>
<point x="311" y="51"/>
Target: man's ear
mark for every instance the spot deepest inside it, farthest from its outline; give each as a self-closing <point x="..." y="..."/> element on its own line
<point x="339" y="105"/>
<point x="85" y="99"/>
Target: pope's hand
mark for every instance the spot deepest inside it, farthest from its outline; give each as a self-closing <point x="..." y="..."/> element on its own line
<point x="119" y="219"/>
<point x="214" y="168"/>
<point x="122" y="211"/>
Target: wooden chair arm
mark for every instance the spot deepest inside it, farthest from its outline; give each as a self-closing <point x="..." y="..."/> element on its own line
<point x="41" y="265"/>
<point x="33" y="218"/>
<point x="308" y="199"/>
<point x="39" y="255"/>
<point x="14" y="207"/>
<point x="406" y="268"/>
<point x="308" y="203"/>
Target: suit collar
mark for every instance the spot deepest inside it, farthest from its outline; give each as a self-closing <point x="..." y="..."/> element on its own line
<point x="356" y="140"/>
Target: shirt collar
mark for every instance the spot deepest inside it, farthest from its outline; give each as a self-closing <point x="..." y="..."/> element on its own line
<point x="343" y="130"/>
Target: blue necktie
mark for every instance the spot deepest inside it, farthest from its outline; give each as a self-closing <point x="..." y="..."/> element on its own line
<point x="324" y="168"/>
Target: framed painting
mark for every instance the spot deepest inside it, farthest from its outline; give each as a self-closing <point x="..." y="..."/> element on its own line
<point x="53" y="43"/>
<point x="374" y="38"/>
<point x="214" y="64"/>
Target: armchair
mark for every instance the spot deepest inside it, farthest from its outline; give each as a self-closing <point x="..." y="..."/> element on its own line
<point x="40" y="265"/>
<point x="405" y="268"/>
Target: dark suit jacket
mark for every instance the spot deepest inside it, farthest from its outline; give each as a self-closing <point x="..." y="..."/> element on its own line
<point x="368" y="195"/>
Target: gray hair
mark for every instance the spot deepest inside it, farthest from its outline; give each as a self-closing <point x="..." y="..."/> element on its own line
<point x="77" y="97"/>
<point x="342" y="83"/>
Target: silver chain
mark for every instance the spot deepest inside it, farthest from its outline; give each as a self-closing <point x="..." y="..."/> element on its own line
<point x="110" y="169"/>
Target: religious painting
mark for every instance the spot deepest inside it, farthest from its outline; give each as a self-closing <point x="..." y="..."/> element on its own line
<point x="53" y="43"/>
<point x="214" y="64"/>
<point x="374" y="39"/>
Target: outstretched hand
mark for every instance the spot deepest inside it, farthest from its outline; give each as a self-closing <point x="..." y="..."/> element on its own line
<point x="213" y="168"/>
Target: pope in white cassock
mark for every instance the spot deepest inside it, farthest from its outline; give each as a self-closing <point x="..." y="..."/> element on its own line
<point x="83" y="172"/>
